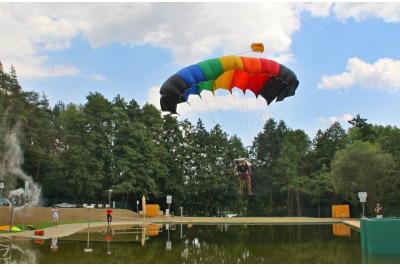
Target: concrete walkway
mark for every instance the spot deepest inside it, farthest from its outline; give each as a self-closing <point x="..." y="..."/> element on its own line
<point x="64" y="230"/>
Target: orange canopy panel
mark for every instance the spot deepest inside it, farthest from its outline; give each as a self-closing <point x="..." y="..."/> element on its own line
<point x="152" y="210"/>
<point x="340" y="211"/>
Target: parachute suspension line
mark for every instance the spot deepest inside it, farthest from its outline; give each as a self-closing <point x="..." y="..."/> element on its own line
<point x="252" y="114"/>
<point x="218" y="104"/>
<point x="199" y="113"/>
<point x="211" y="114"/>
<point x="258" y="114"/>
<point x="242" y="53"/>
<point x="245" y="115"/>
<point x="192" y="107"/>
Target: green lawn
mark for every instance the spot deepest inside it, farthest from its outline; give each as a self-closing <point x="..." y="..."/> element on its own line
<point x="41" y="225"/>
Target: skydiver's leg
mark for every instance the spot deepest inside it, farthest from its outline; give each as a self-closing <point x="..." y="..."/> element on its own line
<point x="241" y="187"/>
<point x="249" y="186"/>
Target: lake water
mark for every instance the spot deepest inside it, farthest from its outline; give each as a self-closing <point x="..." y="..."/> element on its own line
<point x="197" y="244"/>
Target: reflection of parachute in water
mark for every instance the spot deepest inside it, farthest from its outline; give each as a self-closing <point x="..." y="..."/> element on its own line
<point x="264" y="77"/>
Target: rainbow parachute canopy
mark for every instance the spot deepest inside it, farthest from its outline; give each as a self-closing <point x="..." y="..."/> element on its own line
<point x="262" y="76"/>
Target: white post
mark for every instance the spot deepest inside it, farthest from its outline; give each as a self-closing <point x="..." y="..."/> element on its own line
<point x="12" y="212"/>
<point x="169" y="201"/>
<point x="1" y="192"/>
<point x="109" y="197"/>
<point x="25" y="193"/>
<point x="137" y="208"/>
<point x="363" y="198"/>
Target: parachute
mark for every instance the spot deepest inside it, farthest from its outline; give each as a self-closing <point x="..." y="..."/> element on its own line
<point x="261" y="76"/>
<point x="257" y="47"/>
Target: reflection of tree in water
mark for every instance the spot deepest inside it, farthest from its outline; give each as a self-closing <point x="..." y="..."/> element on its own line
<point x="265" y="244"/>
<point x="21" y="253"/>
<point x="207" y="244"/>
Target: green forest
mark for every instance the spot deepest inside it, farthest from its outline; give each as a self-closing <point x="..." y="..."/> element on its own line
<point x="76" y="153"/>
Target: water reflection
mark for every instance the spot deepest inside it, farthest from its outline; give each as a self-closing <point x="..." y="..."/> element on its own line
<point x="380" y="258"/>
<point x="205" y="244"/>
<point x="341" y="230"/>
<point x="108" y="238"/>
<point x="54" y="246"/>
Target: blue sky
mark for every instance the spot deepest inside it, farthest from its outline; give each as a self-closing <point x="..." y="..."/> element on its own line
<point x="345" y="55"/>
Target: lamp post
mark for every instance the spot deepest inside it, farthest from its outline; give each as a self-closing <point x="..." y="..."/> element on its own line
<point x="1" y="193"/>
<point x="109" y="198"/>
<point x="26" y="192"/>
<point x="169" y="201"/>
<point x="363" y="198"/>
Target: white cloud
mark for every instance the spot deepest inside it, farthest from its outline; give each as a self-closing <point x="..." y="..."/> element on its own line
<point x="389" y="12"/>
<point x="333" y="119"/>
<point x="27" y="33"/>
<point x="193" y="31"/>
<point x="320" y="9"/>
<point x="359" y="11"/>
<point x="381" y="75"/>
<point x="98" y="77"/>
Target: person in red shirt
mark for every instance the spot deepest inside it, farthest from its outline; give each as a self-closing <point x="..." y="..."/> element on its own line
<point x="109" y="217"/>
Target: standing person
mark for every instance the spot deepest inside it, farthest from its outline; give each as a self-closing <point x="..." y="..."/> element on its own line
<point x="55" y="215"/>
<point x="109" y="217"/>
<point x="243" y="168"/>
<point x="378" y="210"/>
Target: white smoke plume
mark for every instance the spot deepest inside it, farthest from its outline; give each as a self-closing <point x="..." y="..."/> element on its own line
<point x="11" y="170"/>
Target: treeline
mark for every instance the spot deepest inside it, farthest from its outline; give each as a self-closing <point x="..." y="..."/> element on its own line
<point x="79" y="152"/>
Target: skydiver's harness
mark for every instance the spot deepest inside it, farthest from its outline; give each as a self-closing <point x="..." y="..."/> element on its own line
<point x="243" y="169"/>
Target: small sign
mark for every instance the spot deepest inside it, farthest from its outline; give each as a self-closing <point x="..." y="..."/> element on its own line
<point x="362" y="194"/>
<point x="169" y="199"/>
<point x="1" y="185"/>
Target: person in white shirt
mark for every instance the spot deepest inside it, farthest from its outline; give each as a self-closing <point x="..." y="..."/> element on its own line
<point x="55" y="215"/>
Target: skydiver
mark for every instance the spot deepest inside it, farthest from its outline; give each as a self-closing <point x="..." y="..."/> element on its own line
<point x="243" y="168"/>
